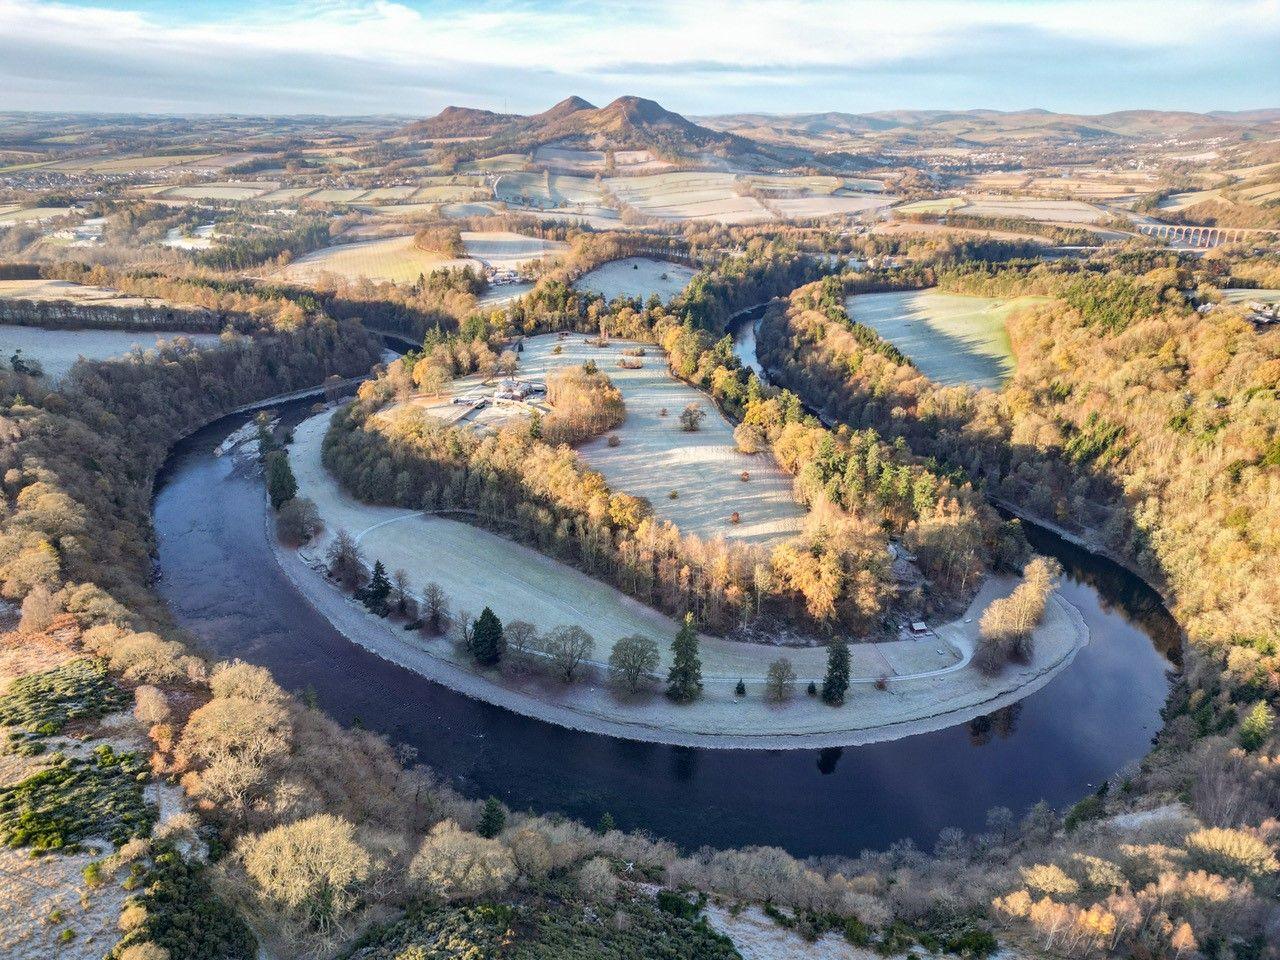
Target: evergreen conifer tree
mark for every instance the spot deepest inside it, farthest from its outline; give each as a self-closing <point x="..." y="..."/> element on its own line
<point x="376" y="594"/>
<point x="836" y="682"/>
<point x="492" y="820"/>
<point x="684" y="681"/>
<point x="487" y="642"/>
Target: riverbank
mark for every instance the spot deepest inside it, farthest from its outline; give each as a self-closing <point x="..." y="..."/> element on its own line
<point x="929" y="684"/>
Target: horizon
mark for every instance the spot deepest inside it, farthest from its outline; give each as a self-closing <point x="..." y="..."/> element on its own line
<point x="368" y="58"/>
<point x="397" y="115"/>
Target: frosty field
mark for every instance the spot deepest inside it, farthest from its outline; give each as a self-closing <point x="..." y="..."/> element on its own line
<point x="58" y="350"/>
<point x="637" y="277"/>
<point x="393" y="260"/>
<point x="952" y="339"/>
<point x="504" y="250"/>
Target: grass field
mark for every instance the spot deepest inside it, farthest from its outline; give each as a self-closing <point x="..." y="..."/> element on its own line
<point x="802" y="208"/>
<point x="32" y="214"/>
<point x="1243" y="295"/>
<point x="637" y="277"/>
<point x="504" y="250"/>
<point x="1059" y="211"/>
<point x="502" y="163"/>
<point x="201" y="239"/>
<point x="655" y="456"/>
<point x="245" y="190"/>
<point x="58" y="350"/>
<point x="394" y="259"/>
<point x="66" y="290"/>
<point x="952" y="339"/>
<point x="940" y="205"/>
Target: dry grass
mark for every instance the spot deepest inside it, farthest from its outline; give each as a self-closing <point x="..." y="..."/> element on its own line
<point x="394" y="259"/>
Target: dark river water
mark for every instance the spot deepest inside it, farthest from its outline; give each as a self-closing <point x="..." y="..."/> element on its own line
<point x="219" y="577"/>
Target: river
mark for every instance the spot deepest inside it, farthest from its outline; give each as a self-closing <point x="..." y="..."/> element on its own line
<point x="217" y="573"/>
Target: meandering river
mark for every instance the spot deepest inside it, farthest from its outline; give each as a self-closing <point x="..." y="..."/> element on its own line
<point x="217" y="573"/>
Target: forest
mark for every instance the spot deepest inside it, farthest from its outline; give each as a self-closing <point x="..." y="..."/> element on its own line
<point x="1153" y="430"/>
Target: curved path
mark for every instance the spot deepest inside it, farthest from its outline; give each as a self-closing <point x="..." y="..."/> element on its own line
<point x="930" y="683"/>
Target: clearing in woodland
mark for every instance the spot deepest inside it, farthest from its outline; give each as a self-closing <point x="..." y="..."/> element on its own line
<point x="392" y="259"/>
<point x="951" y="338"/>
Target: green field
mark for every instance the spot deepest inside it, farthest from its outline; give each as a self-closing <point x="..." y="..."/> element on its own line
<point x="953" y="339"/>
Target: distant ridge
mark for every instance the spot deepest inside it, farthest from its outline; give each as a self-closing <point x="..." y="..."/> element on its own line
<point x="626" y="123"/>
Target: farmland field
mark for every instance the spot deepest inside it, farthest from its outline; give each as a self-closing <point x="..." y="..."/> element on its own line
<point x="1061" y="211"/>
<point x="547" y="190"/>
<point x="655" y="456"/>
<point x="504" y="250"/>
<point x="66" y="290"/>
<point x="940" y="205"/>
<point x="245" y="190"/>
<point x="460" y="211"/>
<point x="287" y="195"/>
<point x="637" y="277"/>
<point x="500" y="164"/>
<point x="32" y="214"/>
<point x="952" y="339"/>
<point x="336" y="196"/>
<point x="449" y="193"/>
<point x="802" y="208"/>
<point x="394" y="259"/>
<point x="58" y="350"/>
<point x="595" y="161"/>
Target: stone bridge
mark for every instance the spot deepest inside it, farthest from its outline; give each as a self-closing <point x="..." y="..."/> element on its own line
<point x="1204" y="237"/>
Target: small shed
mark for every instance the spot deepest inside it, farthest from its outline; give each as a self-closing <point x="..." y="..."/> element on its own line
<point x="919" y="628"/>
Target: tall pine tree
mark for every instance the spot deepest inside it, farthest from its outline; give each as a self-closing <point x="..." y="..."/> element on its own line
<point x="684" y="681"/>
<point x="487" y="642"/>
<point x="281" y="485"/>
<point x="836" y="682"/>
<point x="378" y="590"/>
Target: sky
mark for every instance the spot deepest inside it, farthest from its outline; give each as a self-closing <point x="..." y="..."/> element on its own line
<point x="348" y="57"/>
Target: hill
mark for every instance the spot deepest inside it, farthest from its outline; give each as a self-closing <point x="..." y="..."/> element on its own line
<point x="629" y="123"/>
<point x="979" y="128"/>
<point x="454" y="122"/>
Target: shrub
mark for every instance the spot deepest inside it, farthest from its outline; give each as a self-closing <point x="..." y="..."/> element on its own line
<point x="184" y="918"/>
<point x="780" y="681"/>
<point x="1232" y="853"/>
<point x="597" y="882"/>
<point x="46" y="702"/>
<point x="298" y="521"/>
<point x="73" y="800"/>
<point x="452" y="864"/>
<point x="632" y="662"/>
<point x="691" y="417"/>
<point x="313" y="868"/>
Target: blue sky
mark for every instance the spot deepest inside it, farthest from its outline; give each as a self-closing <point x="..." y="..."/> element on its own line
<point x="413" y="57"/>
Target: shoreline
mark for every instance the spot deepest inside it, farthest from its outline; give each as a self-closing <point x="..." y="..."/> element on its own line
<point x="388" y="640"/>
<point x="930" y="683"/>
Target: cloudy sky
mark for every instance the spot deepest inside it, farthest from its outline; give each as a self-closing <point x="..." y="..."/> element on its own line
<point x="695" y="56"/>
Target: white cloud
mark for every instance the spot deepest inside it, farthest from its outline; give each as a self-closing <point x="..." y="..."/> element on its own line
<point x="383" y="55"/>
